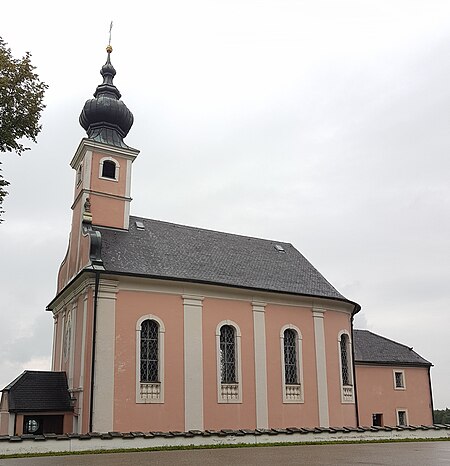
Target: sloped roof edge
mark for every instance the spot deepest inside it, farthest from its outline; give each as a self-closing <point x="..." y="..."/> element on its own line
<point x="371" y="348"/>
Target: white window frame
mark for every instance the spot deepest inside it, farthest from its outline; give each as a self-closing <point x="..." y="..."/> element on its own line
<point x="100" y="171"/>
<point x="347" y="391"/>
<point x="290" y="395"/>
<point x="67" y="335"/>
<point x="156" y="387"/>
<point x="234" y="389"/>
<point x="79" y="174"/>
<point x="402" y="372"/>
<point x="404" y="410"/>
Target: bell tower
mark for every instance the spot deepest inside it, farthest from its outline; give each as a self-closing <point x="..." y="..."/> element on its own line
<point x="103" y="161"/>
<point x="102" y="164"/>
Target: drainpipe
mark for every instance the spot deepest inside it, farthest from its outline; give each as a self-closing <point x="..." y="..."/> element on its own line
<point x="94" y="332"/>
<point x="354" y="376"/>
<point x="431" y="394"/>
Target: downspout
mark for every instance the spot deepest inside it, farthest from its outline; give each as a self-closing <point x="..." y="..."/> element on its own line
<point x="431" y="394"/>
<point x="354" y="375"/>
<point x="95" y="248"/>
<point x="94" y="332"/>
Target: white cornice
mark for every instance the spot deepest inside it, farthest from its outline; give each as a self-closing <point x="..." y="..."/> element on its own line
<point x="98" y="193"/>
<point x="88" y="144"/>
<point x="154" y="285"/>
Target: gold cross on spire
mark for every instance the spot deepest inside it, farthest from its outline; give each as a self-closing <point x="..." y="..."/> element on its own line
<point x="110" y="29"/>
<point x="109" y="48"/>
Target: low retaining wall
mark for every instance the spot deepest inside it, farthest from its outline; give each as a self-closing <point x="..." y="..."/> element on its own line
<point x="48" y="443"/>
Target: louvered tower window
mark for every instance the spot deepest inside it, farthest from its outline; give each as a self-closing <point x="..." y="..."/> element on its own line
<point x="109" y="169"/>
<point x="149" y="351"/>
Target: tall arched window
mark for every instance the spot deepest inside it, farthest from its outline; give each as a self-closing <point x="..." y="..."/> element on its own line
<point x="149" y="351"/>
<point x="291" y="354"/>
<point x="290" y="357"/>
<point x="345" y="355"/>
<point x="228" y="341"/>
<point x="227" y="354"/>
<point x="345" y="361"/>
<point x="149" y="360"/>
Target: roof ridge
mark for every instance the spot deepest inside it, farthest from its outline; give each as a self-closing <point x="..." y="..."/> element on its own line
<point x="410" y="348"/>
<point x="411" y="354"/>
<point x="212" y="231"/>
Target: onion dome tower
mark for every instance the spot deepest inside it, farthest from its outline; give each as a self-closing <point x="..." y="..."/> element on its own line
<point x="103" y="162"/>
<point x="106" y="118"/>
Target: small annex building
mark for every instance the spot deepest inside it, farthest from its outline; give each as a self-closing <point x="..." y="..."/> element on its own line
<point x="36" y="402"/>
<point x="166" y="327"/>
<point x="393" y="382"/>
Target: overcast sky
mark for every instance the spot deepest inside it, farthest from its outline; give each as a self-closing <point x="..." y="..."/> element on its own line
<point x="322" y="123"/>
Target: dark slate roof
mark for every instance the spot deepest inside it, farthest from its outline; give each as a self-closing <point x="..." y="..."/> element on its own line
<point x="171" y="251"/>
<point x="39" y="391"/>
<point x="375" y="349"/>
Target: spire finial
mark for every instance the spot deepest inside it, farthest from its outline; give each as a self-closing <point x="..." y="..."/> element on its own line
<point x="109" y="49"/>
<point x="106" y="118"/>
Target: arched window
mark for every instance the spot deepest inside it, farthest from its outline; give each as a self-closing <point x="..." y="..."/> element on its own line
<point x="149" y="360"/>
<point x="109" y="169"/>
<point x="149" y="351"/>
<point x="227" y="354"/>
<point x="345" y="361"/>
<point x="79" y="174"/>
<point x="291" y="357"/>
<point x="345" y="356"/>
<point x="228" y="341"/>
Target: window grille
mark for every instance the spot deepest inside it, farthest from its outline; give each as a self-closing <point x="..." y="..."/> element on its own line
<point x="346" y="380"/>
<point x="109" y="169"/>
<point x="228" y="354"/>
<point x="149" y="351"/>
<point x="399" y="380"/>
<point x="290" y="357"/>
<point x="402" y="418"/>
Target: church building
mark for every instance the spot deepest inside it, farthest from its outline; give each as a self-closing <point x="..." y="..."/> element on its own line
<point x="167" y="327"/>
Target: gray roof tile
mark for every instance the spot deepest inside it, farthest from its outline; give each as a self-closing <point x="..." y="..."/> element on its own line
<point x="39" y="391"/>
<point x="171" y="251"/>
<point x="373" y="348"/>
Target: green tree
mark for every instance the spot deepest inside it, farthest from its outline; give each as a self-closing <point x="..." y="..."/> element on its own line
<point x="21" y="104"/>
<point x="442" y="416"/>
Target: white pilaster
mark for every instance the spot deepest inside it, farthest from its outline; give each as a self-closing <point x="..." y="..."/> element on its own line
<point x="103" y="414"/>
<point x="61" y="339"/>
<point x="259" y="330"/>
<point x="73" y="332"/>
<point x="321" y="367"/>
<point x="193" y="362"/>
<point x="55" y="322"/>
<point x="82" y="364"/>
<point x="11" y="422"/>
<point x="126" y="219"/>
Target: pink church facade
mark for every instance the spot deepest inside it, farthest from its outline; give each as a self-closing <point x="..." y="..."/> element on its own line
<point x="189" y="395"/>
<point x="164" y="327"/>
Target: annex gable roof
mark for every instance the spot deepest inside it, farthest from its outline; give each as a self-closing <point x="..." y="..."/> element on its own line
<point x="166" y="250"/>
<point x="37" y="391"/>
<point x="375" y="349"/>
